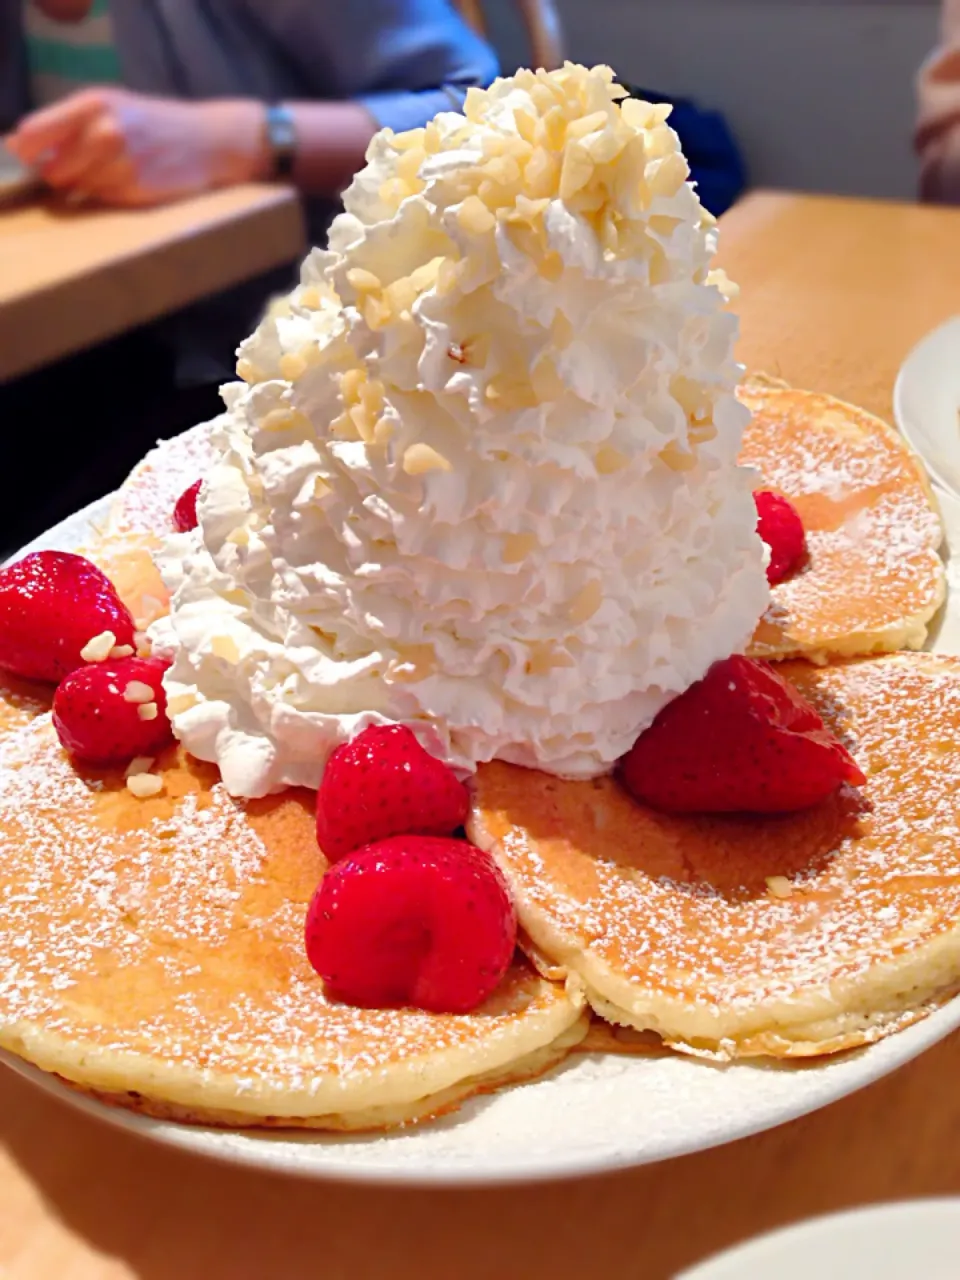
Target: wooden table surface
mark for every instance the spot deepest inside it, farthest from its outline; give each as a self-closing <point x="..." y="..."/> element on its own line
<point x="70" y="277"/>
<point x="834" y="293"/>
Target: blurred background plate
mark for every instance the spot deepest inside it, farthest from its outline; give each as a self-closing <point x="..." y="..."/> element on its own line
<point x="926" y="402"/>
<point x="915" y="1240"/>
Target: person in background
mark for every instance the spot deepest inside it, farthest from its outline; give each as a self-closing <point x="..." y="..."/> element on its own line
<point x="938" y="124"/>
<point x="133" y="103"/>
<point x="138" y="103"/>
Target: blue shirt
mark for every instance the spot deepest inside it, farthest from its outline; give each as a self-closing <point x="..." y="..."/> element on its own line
<point x="401" y="58"/>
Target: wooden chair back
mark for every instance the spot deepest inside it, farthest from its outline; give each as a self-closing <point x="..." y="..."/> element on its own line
<point x="542" y="25"/>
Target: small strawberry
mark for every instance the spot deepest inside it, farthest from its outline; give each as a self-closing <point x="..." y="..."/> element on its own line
<point x="185" y="512"/>
<point x="52" y="604"/>
<point x="383" y="784"/>
<point x="780" y="527"/>
<point x="740" y="740"/>
<point x="110" y="712"/>
<point x="414" y="920"/>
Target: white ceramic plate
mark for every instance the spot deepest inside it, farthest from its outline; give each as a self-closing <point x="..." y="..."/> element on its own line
<point x="926" y="401"/>
<point x="914" y="1240"/>
<point x="595" y="1113"/>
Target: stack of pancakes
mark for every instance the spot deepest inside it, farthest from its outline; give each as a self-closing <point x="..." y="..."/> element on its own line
<point x="152" y="948"/>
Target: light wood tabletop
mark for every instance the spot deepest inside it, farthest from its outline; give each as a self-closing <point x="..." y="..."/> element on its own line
<point x="70" y="277"/>
<point x="834" y="293"/>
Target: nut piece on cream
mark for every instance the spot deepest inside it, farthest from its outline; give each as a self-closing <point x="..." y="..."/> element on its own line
<point x="480" y="476"/>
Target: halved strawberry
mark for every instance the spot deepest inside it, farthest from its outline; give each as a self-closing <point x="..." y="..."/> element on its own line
<point x="740" y="740"/>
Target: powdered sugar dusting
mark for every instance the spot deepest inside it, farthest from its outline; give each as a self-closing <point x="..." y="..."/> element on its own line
<point x="872" y="530"/>
<point x="21" y="700"/>
<point x="173" y="928"/>
<point x="144" y="504"/>
<point x="681" y="905"/>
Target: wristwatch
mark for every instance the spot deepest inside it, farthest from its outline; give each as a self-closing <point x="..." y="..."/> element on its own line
<point x="281" y="131"/>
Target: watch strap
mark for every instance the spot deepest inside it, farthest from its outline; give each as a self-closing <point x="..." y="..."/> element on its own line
<point x="282" y="139"/>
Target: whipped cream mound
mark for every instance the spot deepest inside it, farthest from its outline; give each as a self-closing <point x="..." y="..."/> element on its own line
<point x="480" y="477"/>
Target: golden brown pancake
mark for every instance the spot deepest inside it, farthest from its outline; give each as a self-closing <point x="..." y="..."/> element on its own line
<point x="736" y="936"/>
<point x="151" y="952"/>
<point x="874" y="577"/>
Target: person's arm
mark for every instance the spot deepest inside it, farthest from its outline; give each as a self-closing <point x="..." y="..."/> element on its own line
<point x="123" y="148"/>
<point x="395" y="63"/>
<point x="938" y="125"/>
<point x="403" y="60"/>
<point x="331" y="142"/>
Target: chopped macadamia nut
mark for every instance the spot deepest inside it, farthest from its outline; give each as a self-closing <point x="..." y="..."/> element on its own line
<point x="139" y="764"/>
<point x="779" y="886"/>
<point x="420" y="458"/>
<point x="225" y="647"/>
<point x="586" y="602"/>
<point x="143" y="785"/>
<point x="137" y="691"/>
<point x="99" y="648"/>
<point x="517" y="546"/>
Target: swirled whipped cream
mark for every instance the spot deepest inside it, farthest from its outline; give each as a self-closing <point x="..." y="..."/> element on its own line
<point x="481" y="476"/>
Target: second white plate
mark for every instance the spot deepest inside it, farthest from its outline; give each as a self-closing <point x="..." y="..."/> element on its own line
<point x="926" y="402"/>
<point x="912" y="1240"/>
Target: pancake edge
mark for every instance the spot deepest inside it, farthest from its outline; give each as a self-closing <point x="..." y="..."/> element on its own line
<point x="390" y="1095"/>
<point x="375" y="1119"/>
<point x="806" y="1025"/>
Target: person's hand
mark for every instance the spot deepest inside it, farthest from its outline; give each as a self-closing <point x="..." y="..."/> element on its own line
<point x="123" y="148"/>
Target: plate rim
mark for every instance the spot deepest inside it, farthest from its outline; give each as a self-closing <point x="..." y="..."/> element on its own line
<point x="904" y="419"/>
<point x="755" y="1249"/>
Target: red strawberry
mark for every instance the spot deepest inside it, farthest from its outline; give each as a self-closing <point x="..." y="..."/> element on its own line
<point x="97" y="711"/>
<point x="414" y="920"/>
<point x="383" y="784"/>
<point x="185" y="512"/>
<point x="780" y="526"/>
<point x="52" y="603"/>
<point x="740" y="740"/>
